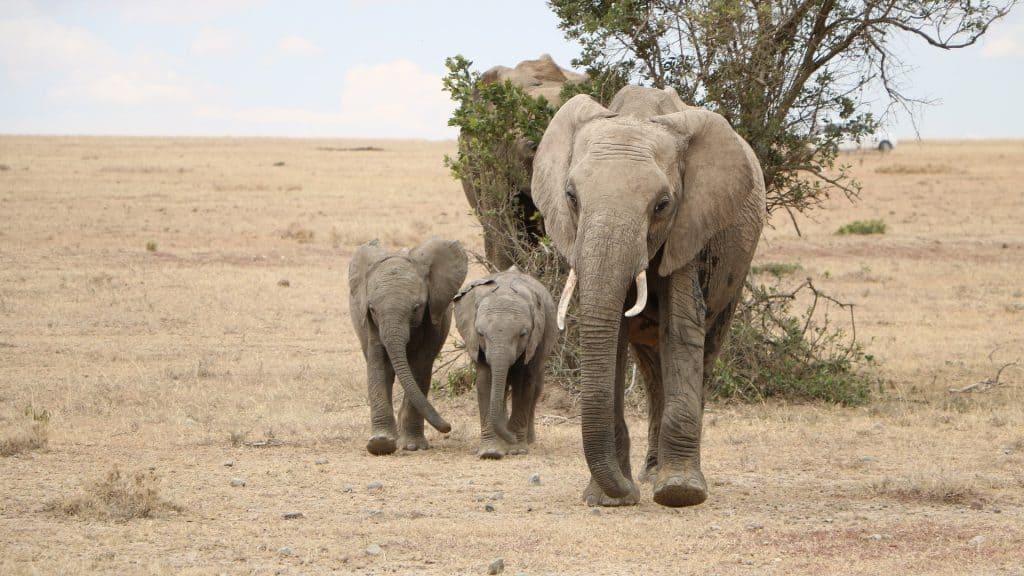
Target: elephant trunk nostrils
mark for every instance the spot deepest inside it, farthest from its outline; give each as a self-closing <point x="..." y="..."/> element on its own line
<point x="499" y="379"/>
<point x="395" y="346"/>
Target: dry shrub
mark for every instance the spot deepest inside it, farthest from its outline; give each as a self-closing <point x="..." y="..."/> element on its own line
<point x="935" y="488"/>
<point x="120" y="497"/>
<point x="295" y="231"/>
<point x="29" y="433"/>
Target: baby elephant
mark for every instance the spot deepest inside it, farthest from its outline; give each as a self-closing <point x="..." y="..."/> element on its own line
<point x="507" y="320"/>
<point x="400" y="304"/>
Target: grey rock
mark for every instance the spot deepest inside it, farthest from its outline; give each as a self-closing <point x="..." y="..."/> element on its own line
<point x="374" y="550"/>
<point x="876" y="537"/>
<point x="293" y="515"/>
<point x="375" y="486"/>
<point x="346" y="489"/>
<point x="321" y="461"/>
<point x="489" y="507"/>
<point x="535" y="479"/>
<point x="977" y="540"/>
<point x="237" y="482"/>
<point x="755" y="526"/>
<point x="229" y="463"/>
<point x="285" y="551"/>
<point x="496" y="567"/>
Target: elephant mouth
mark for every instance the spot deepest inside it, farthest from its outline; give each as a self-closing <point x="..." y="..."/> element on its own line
<point x="570" y="287"/>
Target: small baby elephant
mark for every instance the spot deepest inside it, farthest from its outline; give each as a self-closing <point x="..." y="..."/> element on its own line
<point x="400" y="304"/>
<point x="507" y="320"/>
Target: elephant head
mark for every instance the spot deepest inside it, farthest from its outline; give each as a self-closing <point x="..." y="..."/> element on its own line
<point x="618" y="187"/>
<point x="504" y="319"/>
<point x="393" y="293"/>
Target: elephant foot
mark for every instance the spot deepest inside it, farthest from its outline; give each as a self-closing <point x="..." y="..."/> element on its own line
<point x="413" y="443"/>
<point x="381" y="444"/>
<point x="492" y="450"/>
<point x="518" y="448"/>
<point x="649" y="473"/>
<point x="594" y="496"/>
<point x="677" y="489"/>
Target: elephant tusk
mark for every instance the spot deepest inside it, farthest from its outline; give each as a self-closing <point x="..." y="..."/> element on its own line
<point x="563" y="302"/>
<point x="641" y="295"/>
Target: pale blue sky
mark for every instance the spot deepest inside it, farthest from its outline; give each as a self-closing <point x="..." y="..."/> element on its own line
<point x="354" y="68"/>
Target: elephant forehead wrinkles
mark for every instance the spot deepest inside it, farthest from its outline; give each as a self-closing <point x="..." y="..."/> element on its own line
<point x="634" y="151"/>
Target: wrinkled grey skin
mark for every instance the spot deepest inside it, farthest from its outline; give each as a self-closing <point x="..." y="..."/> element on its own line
<point x="400" y="304"/>
<point x="649" y="185"/>
<point x="507" y="320"/>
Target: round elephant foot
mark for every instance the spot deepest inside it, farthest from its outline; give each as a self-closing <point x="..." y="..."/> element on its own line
<point x="680" y="489"/>
<point x="518" y="449"/>
<point x="491" y="452"/>
<point x="413" y="443"/>
<point x="381" y="444"/>
<point x="594" y="496"/>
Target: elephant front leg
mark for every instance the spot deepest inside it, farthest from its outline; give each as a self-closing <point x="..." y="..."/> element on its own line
<point x="491" y="446"/>
<point x="523" y="398"/>
<point x="380" y="378"/>
<point x="679" y="480"/>
<point x="412" y="437"/>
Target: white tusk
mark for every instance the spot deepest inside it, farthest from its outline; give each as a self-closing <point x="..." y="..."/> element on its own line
<point x="641" y="295"/>
<point x="563" y="302"/>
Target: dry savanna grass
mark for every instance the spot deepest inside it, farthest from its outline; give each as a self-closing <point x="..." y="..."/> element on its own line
<point x="178" y="310"/>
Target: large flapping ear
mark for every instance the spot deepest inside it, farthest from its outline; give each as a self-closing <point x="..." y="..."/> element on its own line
<point x="358" y="268"/>
<point x="718" y="174"/>
<point x="466" y="303"/>
<point x="446" y="263"/>
<point x="551" y="168"/>
<point x="543" y="331"/>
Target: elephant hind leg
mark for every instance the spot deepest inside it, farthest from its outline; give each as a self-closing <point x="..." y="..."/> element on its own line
<point x="648" y="361"/>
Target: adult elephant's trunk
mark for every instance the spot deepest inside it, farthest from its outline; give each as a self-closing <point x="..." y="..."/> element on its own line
<point x="605" y="276"/>
<point x="395" y="341"/>
<point x="499" y="377"/>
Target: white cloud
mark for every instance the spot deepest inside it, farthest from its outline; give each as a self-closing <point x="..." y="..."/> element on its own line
<point x="1005" y="42"/>
<point x="75" y="64"/>
<point x="396" y="99"/>
<point x="298" y="46"/>
<point x="180" y="11"/>
<point x="390" y="100"/>
<point x="215" y="42"/>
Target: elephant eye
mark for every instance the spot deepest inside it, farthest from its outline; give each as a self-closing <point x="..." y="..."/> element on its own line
<point x="661" y="205"/>
<point x="570" y="195"/>
<point x="522" y="332"/>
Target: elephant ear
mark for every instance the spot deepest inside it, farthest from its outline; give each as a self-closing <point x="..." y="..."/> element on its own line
<point x="551" y="168"/>
<point x="446" y="265"/>
<point x="466" y="303"/>
<point x="358" y="268"/>
<point x="543" y="330"/>
<point x="718" y="172"/>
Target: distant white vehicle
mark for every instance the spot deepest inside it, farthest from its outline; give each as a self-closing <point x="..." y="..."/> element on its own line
<point x="881" y="141"/>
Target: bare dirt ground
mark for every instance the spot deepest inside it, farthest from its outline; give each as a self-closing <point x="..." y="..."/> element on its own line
<point x="178" y="305"/>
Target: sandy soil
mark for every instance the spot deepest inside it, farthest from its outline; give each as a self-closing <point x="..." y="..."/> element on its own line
<point x="178" y="305"/>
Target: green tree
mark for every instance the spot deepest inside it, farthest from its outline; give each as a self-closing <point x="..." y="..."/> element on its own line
<point x="789" y="75"/>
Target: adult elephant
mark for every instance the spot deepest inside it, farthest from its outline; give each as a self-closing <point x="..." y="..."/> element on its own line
<point x="540" y="77"/>
<point x="663" y="203"/>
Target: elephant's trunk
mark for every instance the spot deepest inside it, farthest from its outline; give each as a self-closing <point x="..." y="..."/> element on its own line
<point x="395" y="345"/>
<point x="499" y="378"/>
<point x="605" y="277"/>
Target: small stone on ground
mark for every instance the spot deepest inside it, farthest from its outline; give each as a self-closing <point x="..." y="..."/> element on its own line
<point x="374" y="550"/>
<point x="237" y="482"/>
<point x="496" y="567"/>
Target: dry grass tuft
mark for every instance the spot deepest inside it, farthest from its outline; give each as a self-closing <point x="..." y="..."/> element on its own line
<point x="936" y="488"/>
<point x="119" y="497"/>
<point x="297" y="232"/>
<point x="29" y="433"/>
